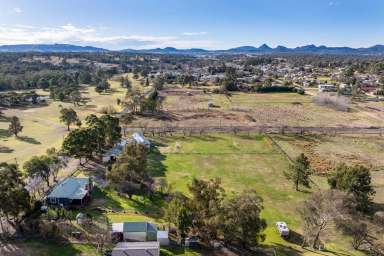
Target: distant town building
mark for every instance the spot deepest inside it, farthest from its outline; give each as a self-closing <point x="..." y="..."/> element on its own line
<point x="327" y="88"/>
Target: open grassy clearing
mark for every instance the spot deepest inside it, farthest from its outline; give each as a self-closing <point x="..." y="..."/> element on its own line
<point x="241" y="162"/>
<point x="42" y="127"/>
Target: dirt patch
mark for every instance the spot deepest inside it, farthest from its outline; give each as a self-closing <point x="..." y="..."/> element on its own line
<point x="320" y="164"/>
<point x="324" y="152"/>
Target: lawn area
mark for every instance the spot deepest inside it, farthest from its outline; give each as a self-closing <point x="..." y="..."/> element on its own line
<point x="241" y="162"/>
<point x="42" y="127"/>
<point x="46" y="248"/>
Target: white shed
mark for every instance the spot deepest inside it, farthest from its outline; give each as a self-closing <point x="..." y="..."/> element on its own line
<point x="140" y="139"/>
<point x="162" y="237"/>
<point x="136" y="231"/>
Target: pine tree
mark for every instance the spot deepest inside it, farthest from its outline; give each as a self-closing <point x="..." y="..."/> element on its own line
<point x="299" y="172"/>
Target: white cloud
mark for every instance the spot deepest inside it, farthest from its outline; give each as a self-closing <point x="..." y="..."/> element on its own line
<point x="195" y="33"/>
<point x="334" y="3"/>
<point x="96" y="36"/>
<point x="17" y="10"/>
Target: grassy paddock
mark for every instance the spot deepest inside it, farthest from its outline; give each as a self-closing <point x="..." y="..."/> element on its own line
<point x="242" y="162"/>
<point x="184" y="107"/>
<point x="42" y="127"/>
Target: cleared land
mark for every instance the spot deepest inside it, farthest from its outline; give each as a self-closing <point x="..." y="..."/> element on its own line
<point x="189" y="108"/>
<point x="242" y="162"/>
<point x="42" y="127"/>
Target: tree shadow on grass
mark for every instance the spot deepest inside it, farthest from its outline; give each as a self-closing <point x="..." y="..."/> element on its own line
<point x="149" y="207"/>
<point x="155" y="164"/>
<point x="295" y="238"/>
<point x="110" y="202"/>
<point x="205" y="137"/>
<point x="326" y="252"/>
<point x="4" y="149"/>
<point x="146" y="206"/>
<point x="279" y="249"/>
<point x="29" y="140"/>
<point x="52" y="247"/>
<point x="160" y="115"/>
<point x="4" y="133"/>
<point x="5" y="119"/>
<point x="250" y="136"/>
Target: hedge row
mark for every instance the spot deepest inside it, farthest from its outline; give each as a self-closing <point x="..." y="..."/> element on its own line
<point x="271" y="89"/>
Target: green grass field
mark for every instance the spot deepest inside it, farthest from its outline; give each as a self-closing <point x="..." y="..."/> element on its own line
<point x="241" y="162"/>
<point x="42" y="127"/>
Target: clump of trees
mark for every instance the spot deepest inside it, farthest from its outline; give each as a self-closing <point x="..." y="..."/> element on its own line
<point x="346" y="205"/>
<point x="277" y="89"/>
<point x="355" y="180"/>
<point x="87" y="142"/>
<point x="102" y="86"/>
<point x="129" y="173"/>
<point x="45" y="166"/>
<point x="211" y="216"/>
<point x="125" y="82"/>
<point x="141" y="103"/>
<point x="65" y="94"/>
<point x="14" y="99"/>
<point x="15" y="199"/>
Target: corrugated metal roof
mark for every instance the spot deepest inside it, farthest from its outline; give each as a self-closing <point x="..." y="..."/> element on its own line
<point x="139" y="227"/>
<point x="137" y="245"/>
<point x="140" y="139"/>
<point x="71" y="188"/>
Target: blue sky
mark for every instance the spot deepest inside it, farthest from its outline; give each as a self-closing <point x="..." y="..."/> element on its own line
<point x="212" y="24"/>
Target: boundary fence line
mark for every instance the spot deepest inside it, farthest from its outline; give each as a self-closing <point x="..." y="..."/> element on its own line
<point x="163" y="130"/>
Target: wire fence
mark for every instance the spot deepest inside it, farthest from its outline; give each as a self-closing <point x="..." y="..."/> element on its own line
<point x="169" y="130"/>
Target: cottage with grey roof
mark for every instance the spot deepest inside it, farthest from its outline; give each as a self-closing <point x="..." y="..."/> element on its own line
<point x="71" y="191"/>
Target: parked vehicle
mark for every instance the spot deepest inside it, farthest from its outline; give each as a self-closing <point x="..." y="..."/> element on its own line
<point x="282" y="228"/>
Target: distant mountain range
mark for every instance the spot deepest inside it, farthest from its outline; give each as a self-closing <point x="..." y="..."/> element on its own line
<point x="263" y="49"/>
<point x="49" y="48"/>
